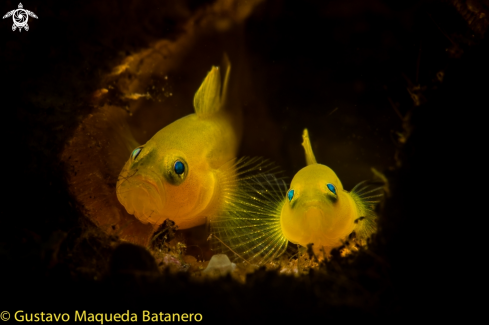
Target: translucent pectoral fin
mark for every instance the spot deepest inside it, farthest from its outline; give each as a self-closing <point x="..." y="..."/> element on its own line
<point x="306" y="143"/>
<point x="366" y="195"/>
<point x="248" y="227"/>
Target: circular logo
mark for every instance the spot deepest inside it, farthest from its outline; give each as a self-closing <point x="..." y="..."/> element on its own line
<point x="5" y="316"/>
<point x="20" y="17"/>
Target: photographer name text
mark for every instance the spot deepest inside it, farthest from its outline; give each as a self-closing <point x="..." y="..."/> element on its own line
<point x="101" y="318"/>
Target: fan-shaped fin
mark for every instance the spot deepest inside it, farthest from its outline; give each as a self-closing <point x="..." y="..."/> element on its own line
<point x="366" y="195"/>
<point x="249" y="227"/>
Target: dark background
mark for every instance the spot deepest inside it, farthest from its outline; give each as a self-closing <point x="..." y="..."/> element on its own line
<point x="330" y="66"/>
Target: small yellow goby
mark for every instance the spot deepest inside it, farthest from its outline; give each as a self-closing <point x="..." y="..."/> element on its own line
<point x="316" y="209"/>
<point x="183" y="171"/>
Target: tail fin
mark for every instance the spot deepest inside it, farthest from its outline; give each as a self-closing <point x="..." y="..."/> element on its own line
<point x="249" y="227"/>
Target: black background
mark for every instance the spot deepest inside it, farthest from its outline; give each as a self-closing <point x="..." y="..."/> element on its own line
<point x="309" y="58"/>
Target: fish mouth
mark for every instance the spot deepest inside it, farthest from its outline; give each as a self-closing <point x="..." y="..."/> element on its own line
<point x="325" y="223"/>
<point x="319" y="216"/>
<point x="142" y="197"/>
<point x="314" y="211"/>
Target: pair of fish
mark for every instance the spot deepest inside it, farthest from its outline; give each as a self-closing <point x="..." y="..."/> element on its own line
<point x="188" y="172"/>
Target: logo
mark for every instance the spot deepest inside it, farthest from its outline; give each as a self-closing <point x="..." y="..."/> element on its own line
<point x="20" y="17"/>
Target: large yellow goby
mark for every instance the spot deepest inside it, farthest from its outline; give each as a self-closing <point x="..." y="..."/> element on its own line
<point x="180" y="173"/>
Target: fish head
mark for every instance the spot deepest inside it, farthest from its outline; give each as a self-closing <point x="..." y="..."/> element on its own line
<point x="317" y="209"/>
<point x="162" y="180"/>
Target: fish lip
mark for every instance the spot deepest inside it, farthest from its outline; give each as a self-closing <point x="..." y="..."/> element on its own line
<point x="149" y="181"/>
<point x="147" y="184"/>
<point x="144" y="181"/>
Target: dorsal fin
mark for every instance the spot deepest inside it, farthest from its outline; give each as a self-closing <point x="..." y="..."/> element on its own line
<point x="306" y="143"/>
<point x="226" y="65"/>
<point x="208" y="98"/>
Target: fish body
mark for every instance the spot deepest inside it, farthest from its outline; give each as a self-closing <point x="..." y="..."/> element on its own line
<point x="314" y="209"/>
<point x="318" y="210"/>
<point x="179" y="173"/>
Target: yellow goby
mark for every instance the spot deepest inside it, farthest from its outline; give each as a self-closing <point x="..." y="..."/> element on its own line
<point x="316" y="209"/>
<point x="181" y="173"/>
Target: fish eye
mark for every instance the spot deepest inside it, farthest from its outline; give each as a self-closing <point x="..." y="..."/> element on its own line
<point x="175" y="169"/>
<point x="135" y="153"/>
<point x="179" y="167"/>
<point x="290" y="195"/>
<point x="332" y="188"/>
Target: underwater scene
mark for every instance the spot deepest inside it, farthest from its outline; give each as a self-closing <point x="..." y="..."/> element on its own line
<point x="262" y="160"/>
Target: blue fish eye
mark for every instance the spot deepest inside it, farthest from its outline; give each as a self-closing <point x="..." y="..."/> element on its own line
<point x="331" y="188"/>
<point x="179" y="167"/>
<point x="135" y="153"/>
<point x="290" y="195"/>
